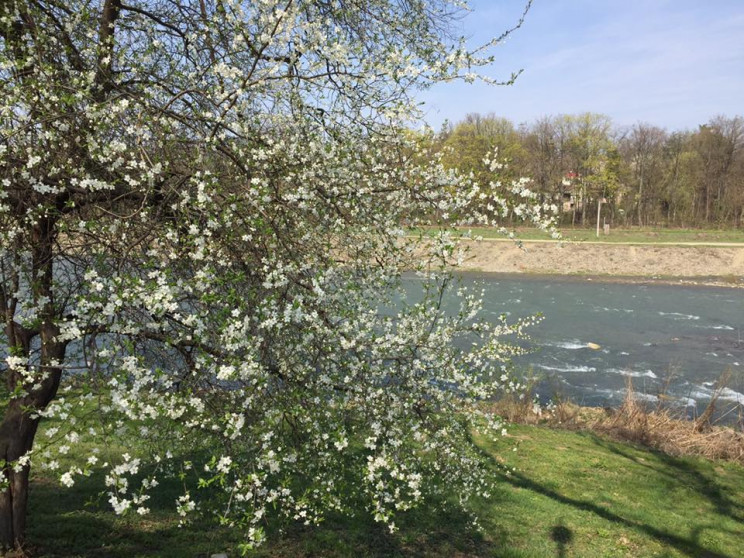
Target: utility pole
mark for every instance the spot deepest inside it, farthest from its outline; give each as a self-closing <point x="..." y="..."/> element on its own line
<point x="599" y="210"/>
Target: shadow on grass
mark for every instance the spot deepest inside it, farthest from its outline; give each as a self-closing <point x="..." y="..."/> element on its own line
<point x="421" y="533"/>
<point x="688" y="546"/>
<point x="62" y="524"/>
<point x="562" y="536"/>
<point x="681" y="472"/>
<point x="79" y="521"/>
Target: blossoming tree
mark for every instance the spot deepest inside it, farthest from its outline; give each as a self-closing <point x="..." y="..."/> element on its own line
<point x="201" y="247"/>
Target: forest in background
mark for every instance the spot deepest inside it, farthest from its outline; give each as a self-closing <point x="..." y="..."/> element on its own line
<point x="646" y="175"/>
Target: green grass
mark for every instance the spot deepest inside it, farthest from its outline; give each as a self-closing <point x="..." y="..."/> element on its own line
<point x="631" y="235"/>
<point x="570" y="494"/>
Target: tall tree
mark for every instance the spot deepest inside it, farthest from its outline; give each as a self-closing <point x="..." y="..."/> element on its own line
<point x="679" y="179"/>
<point x="590" y="147"/>
<point x="719" y="145"/>
<point x="643" y="148"/>
<point x="200" y="223"/>
<point x="543" y="155"/>
<point x="478" y="136"/>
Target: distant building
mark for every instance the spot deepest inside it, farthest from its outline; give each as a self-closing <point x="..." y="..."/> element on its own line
<point x="572" y="199"/>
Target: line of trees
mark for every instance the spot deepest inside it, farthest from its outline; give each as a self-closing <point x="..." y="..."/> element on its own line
<point x="648" y="176"/>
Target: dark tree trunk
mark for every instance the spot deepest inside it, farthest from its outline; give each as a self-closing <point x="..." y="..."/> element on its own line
<point x="16" y="439"/>
<point x="19" y="425"/>
<point x="17" y="433"/>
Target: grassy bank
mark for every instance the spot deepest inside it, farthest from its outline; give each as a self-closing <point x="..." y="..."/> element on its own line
<point x="637" y="235"/>
<point x="569" y="494"/>
<point x="634" y="235"/>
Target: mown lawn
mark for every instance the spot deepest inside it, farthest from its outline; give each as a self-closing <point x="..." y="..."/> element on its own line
<point x="650" y="235"/>
<point x="570" y="494"/>
<point x="633" y="235"/>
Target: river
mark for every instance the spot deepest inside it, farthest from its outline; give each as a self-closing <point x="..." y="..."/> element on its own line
<point x="674" y="341"/>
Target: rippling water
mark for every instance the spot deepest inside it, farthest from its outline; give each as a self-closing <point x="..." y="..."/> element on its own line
<point x="671" y="340"/>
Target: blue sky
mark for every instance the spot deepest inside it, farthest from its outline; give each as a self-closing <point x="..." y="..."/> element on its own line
<point x="672" y="63"/>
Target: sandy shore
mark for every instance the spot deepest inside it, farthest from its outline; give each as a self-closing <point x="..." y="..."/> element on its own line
<point x="708" y="264"/>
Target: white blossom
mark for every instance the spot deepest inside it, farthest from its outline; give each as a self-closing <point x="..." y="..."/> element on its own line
<point x="211" y="235"/>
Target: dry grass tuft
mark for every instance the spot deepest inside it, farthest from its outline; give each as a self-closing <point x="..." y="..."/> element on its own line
<point x="661" y="428"/>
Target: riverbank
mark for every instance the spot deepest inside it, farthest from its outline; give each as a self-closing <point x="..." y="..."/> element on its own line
<point x="706" y="264"/>
<point x="715" y="433"/>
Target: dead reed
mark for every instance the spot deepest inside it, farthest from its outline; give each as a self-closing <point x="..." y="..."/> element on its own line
<point x="662" y="427"/>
